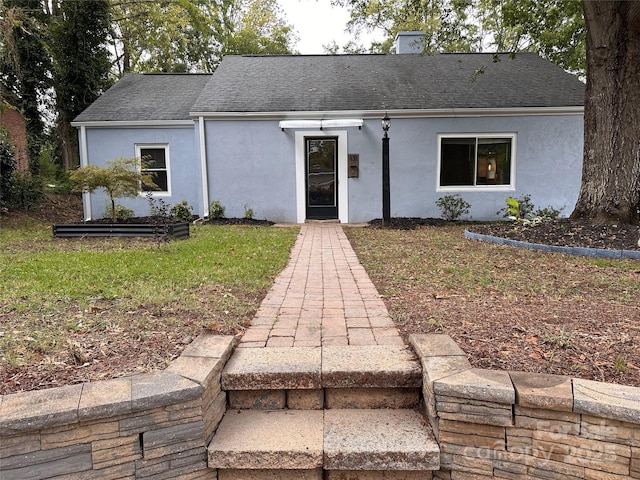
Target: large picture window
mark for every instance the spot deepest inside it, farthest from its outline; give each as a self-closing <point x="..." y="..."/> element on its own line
<point x="470" y="161"/>
<point x="155" y="161"/>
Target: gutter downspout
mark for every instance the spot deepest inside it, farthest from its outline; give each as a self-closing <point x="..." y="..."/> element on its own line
<point x="203" y="167"/>
<point x="84" y="161"/>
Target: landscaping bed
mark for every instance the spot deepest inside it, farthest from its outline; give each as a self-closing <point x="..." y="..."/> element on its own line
<point x="566" y="233"/>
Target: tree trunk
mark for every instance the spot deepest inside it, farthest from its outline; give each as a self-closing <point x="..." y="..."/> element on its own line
<point x="610" y="191"/>
<point x="69" y="145"/>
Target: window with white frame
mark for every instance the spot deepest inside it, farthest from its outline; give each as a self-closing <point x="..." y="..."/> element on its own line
<point x="155" y="161"/>
<point x="476" y="161"/>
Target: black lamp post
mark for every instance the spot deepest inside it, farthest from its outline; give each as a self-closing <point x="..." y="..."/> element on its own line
<point x="386" y="191"/>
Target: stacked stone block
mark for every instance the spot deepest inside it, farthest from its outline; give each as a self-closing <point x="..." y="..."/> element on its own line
<point x="152" y="426"/>
<point x="520" y="425"/>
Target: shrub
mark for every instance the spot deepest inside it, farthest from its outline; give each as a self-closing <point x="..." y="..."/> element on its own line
<point x="216" y="209"/>
<point x="122" y="177"/>
<point x="121" y="213"/>
<point x="549" y="212"/>
<point x="452" y="207"/>
<point x="157" y="207"/>
<point x="182" y="211"/>
<point x="25" y="191"/>
<point x="248" y="212"/>
<point x="520" y="208"/>
<point x="7" y="167"/>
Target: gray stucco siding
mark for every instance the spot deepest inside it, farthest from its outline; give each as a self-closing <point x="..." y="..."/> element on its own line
<point x="548" y="155"/>
<point x="106" y="144"/>
<point x="252" y="164"/>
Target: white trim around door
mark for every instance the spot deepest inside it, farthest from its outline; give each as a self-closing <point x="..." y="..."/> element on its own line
<point x="343" y="187"/>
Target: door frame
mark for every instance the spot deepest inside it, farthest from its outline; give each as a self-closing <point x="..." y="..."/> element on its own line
<point x="329" y="212"/>
<point x="342" y="170"/>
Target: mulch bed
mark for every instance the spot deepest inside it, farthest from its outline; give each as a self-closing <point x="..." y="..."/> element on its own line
<point x="239" y="221"/>
<point x="567" y="233"/>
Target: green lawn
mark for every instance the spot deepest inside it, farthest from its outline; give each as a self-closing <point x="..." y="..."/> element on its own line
<point x="60" y="298"/>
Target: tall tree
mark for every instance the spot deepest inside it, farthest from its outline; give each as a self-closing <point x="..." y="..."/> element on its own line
<point x="554" y="28"/>
<point x="25" y="64"/>
<point x="610" y="191"/>
<point x="81" y="64"/>
<point x="259" y="27"/>
<point x="170" y="36"/>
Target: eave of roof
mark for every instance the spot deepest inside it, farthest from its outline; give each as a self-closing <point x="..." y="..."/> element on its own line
<point x="404" y="113"/>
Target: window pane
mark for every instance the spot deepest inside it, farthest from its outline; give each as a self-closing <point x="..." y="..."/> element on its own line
<point x="153" y="157"/>
<point x="160" y="179"/>
<point x="457" y="162"/>
<point x="494" y="161"/>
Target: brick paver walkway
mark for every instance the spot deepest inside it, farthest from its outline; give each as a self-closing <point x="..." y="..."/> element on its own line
<point x="323" y="297"/>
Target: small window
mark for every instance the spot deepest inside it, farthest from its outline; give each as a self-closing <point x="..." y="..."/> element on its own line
<point x="155" y="162"/>
<point x="476" y="161"/>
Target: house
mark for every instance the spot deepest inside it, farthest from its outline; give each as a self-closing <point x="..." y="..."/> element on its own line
<point x="299" y="137"/>
<point x="14" y="124"/>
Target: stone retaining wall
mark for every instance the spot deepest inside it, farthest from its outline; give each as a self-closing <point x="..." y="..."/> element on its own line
<point x="494" y="424"/>
<point x="153" y="426"/>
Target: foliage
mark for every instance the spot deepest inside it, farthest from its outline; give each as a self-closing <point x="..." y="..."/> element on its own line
<point x="26" y="191"/>
<point x="259" y="27"/>
<point x="453" y="207"/>
<point x="157" y="206"/>
<point x="248" y="212"/>
<point x="520" y="208"/>
<point x="549" y="212"/>
<point x="25" y="65"/>
<point x="182" y="211"/>
<point x="177" y="36"/>
<point x="522" y="211"/>
<point x="54" y="178"/>
<point x="81" y="64"/>
<point x="121" y="213"/>
<point x="216" y="209"/>
<point x="7" y="167"/>
<point x="554" y="28"/>
<point x="121" y="177"/>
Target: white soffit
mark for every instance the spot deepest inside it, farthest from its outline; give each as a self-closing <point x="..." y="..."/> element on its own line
<point x="336" y="123"/>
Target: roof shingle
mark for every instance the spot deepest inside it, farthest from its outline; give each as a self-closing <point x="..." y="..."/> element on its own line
<point x="148" y="96"/>
<point x="315" y="83"/>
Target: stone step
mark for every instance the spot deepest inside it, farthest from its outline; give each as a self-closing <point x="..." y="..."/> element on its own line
<point x="313" y="378"/>
<point x="308" y="368"/>
<point x="264" y="444"/>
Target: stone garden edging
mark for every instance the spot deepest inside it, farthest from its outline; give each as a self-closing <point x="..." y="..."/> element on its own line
<point x="488" y="423"/>
<point x="518" y="425"/>
<point x="583" y="251"/>
<point x="145" y="426"/>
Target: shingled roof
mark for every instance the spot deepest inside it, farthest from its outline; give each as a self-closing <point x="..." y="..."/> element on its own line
<point x="316" y="83"/>
<point x="148" y="96"/>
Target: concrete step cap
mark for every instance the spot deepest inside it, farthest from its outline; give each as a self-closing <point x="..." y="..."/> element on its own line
<point x="370" y="366"/>
<point x="273" y="369"/>
<point x="262" y="439"/>
<point x="378" y="440"/>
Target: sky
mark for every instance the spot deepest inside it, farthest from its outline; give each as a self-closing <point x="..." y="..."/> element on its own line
<point x="317" y="23"/>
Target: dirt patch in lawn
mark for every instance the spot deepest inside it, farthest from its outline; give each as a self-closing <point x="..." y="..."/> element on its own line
<point x="510" y="308"/>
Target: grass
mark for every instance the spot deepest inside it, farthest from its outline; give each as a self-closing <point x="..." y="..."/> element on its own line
<point x="60" y="300"/>
<point x="510" y="308"/>
<point x="441" y="259"/>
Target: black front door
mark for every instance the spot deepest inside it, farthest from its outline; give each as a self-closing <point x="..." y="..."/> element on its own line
<point x="322" y="180"/>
